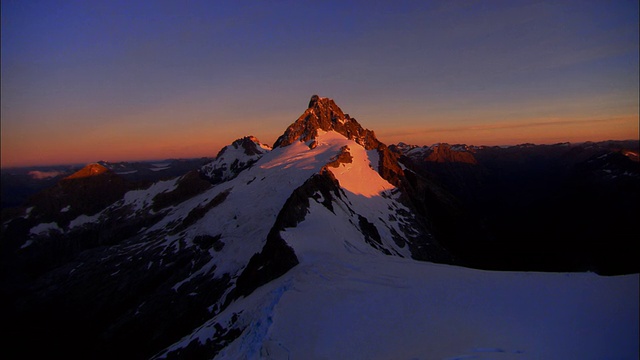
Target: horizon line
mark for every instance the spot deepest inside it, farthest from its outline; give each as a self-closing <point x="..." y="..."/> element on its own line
<point x="80" y="163"/>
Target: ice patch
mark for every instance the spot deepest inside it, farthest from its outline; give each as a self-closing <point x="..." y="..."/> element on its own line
<point x="27" y="212"/>
<point x="44" y="228"/>
<point x="83" y="219"/>
<point x="26" y="244"/>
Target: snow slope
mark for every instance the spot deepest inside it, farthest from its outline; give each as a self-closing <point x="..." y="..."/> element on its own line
<point x="346" y="300"/>
<point x="381" y="307"/>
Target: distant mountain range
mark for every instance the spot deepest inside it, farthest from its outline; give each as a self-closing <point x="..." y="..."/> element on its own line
<point x="18" y="184"/>
<point x="559" y="207"/>
<point x="171" y="259"/>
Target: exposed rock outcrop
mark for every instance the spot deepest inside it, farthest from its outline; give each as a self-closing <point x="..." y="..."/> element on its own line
<point x="445" y="153"/>
<point x="324" y="115"/>
<point x="92" y="169"/>
<point x="233" y="159"/>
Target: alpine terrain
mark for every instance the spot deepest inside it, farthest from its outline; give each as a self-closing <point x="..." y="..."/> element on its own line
<point x="327" y="245"/>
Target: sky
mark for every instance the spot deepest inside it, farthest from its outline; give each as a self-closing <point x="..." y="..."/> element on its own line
<point x="114" y="80"/>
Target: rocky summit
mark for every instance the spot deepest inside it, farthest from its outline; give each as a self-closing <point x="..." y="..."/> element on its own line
<point x="93" y="169"/>
<point x="324" y="115"/>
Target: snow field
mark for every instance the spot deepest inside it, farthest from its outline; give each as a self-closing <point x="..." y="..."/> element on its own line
<point x="381" y="307"/>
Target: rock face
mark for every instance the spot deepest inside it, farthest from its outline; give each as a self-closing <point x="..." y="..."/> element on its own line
<point x="89" y="170"/>
<point x="443" y="153"/>
<point x="324" y="115"/>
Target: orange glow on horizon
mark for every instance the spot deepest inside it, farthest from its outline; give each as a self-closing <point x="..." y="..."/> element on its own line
<point x="136" y="144"/>
<point x="547" y="131"/>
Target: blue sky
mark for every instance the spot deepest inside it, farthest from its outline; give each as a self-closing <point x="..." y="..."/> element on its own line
<point x="120" y="80"/>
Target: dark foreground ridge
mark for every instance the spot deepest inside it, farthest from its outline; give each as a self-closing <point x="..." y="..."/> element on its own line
<point x="556" y="207"/>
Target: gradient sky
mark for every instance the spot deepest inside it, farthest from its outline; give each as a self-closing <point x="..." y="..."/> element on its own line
<point x="127" y="80"/>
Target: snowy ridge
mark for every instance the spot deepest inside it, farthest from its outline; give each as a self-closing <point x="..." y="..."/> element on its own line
<point x="263" y="185"/>
<point x="367" y="200"/>
<point x="347" y="299"/>
<point x="240" y="212"/>
<point x="378" y="307"/>
<point x="234" y="158"/>
<point x="361" y="220"/>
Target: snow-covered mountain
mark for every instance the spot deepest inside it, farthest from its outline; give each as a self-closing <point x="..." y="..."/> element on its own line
<point x="233" y="159"/>
<point x="324" y="246"/>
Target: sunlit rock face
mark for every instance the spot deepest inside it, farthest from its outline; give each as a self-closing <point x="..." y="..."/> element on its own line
<point x="443" y="153"/>
<point x="324" y="115"/>
<point x="438" y="153"/>
<point x="89" y="170"/>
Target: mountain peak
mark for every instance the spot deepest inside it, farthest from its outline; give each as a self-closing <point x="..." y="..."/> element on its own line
<point x="313" y="101"/>
<point x="323" y="114"/>
<point x="92" y="169"/>
<point x="445" y="153"/>
<point x="249" y="145"/>
<point x="234" y="158"/>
